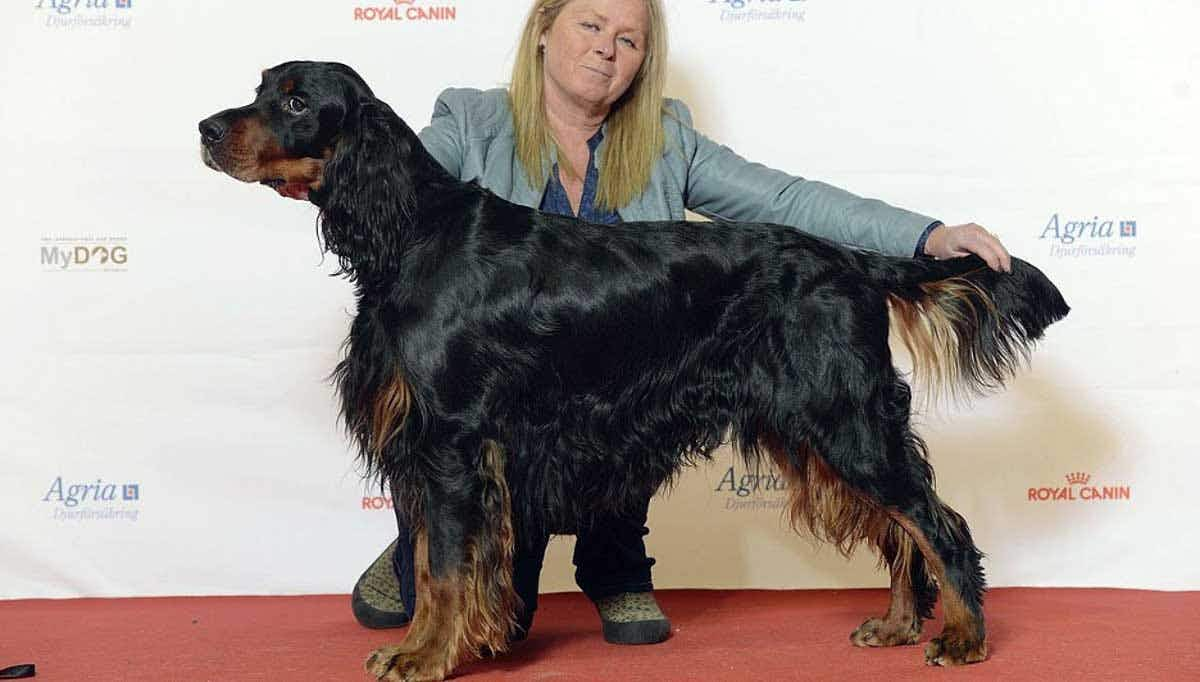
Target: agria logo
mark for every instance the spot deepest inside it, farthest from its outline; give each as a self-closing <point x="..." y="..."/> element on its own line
<point x="756" y="11"/>
<point x="99" y="501"/>
<point x="1071" y="238"/>
<point x="761" y="489"/>
<point x="86" y="13"/>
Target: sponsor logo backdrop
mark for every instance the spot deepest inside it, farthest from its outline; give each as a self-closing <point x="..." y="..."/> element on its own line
<point x="165" y="422"/>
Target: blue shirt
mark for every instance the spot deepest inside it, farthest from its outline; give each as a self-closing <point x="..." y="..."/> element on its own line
<point x="554" y="199"/>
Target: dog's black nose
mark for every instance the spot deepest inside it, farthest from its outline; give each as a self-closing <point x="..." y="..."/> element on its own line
<point x="212" y="130"/>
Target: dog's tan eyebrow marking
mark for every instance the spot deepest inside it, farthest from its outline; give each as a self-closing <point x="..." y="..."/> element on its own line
<point x="288" y="86"/>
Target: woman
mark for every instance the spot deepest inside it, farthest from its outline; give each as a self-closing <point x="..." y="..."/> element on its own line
<point x="584" y="130"/>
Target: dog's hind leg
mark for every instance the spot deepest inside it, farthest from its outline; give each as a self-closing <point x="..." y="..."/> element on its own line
<point x="865" y="477"/>
<point x="912" y="593"/>
<point x="900" y="482"/>
<point x="943" y="538"/>
<point x="829" y="509"/>
<point x="463" y="559"/>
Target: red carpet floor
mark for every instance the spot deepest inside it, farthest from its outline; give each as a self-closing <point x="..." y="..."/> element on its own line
<point x="1034" y="634"/>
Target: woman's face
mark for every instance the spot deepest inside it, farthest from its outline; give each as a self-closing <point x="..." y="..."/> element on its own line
<point x="593" y="51"/>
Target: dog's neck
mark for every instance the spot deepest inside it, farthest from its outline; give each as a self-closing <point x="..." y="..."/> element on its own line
<point x="373" y="194"/>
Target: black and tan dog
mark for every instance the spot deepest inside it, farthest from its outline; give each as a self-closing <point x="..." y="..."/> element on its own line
<point x="512" y="373"/>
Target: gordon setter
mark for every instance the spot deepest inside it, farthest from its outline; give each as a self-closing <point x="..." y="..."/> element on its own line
<point x="511" y="373"/>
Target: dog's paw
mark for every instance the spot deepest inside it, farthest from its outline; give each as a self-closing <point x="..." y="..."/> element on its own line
<point x="951" y="648"/>
<point x="880" y="632"/>
<point x="382" y="661"/>
<point x="395" y="664"/>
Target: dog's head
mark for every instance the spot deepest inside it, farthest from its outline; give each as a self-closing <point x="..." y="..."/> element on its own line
<point x="285" y="137"/>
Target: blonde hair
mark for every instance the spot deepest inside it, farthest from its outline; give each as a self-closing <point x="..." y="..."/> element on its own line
<point x="635" y="131"/>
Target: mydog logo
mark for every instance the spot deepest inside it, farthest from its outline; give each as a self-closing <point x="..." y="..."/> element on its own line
<point x="760" y="489"/>
<point x="86" y="13"/>
<point x="99" y="501"/>
<point x="1078" y="488"/>
<point x="89" y="254"/>
<point x="1096" y="237"/>
<point x="406" y="10"/>
<point x="754" y="11"/>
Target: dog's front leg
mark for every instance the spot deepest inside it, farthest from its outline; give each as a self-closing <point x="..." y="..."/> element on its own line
<point x="466" y="603"/>
<point x="428" y="651"/>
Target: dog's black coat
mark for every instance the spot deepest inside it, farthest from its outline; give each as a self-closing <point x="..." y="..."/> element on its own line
<point x="602" y="359"/>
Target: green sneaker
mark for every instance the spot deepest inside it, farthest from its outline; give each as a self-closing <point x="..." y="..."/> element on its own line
<point x="632" y="618"/>
<point x="376" y="599"/>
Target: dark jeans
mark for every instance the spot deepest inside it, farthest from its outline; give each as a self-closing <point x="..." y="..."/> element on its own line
<point x="610" y="558"/>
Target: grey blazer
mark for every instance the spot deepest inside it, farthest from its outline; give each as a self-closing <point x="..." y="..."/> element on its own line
<point x="471" y="134"/>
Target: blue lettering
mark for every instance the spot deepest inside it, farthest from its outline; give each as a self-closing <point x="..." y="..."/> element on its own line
<point x="55" y="489"/>
<point x="68" y="6"/>
<point x="1067" y="232"/>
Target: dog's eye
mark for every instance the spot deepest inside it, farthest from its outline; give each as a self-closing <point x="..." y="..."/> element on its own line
<point x="294" y="105"/>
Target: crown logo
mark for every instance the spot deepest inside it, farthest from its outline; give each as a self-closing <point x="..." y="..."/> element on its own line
<point x="1078" y="477"/>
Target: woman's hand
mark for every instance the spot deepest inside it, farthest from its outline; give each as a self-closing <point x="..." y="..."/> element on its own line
<point x="952" y="241"/>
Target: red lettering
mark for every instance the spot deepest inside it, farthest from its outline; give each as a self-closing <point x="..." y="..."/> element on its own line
<point x="441" y="13"/>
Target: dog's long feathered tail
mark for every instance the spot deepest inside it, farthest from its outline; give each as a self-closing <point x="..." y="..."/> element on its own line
<point x="967" y="327"/>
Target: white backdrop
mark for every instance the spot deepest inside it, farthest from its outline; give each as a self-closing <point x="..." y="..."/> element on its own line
<point x="174" y="378"/>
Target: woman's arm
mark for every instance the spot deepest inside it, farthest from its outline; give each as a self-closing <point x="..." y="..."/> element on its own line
<point x="721" y="184"/>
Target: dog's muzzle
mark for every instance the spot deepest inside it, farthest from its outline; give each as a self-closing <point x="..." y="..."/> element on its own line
<point x="208" y="159"/>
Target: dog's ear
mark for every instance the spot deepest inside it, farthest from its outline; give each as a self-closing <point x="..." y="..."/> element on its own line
<point x="367" y="190"/>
